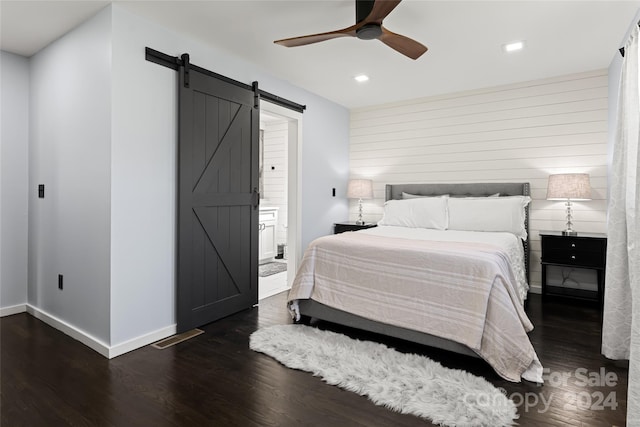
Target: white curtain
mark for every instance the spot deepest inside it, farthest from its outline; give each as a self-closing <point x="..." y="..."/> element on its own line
<point x="621" y="319"/>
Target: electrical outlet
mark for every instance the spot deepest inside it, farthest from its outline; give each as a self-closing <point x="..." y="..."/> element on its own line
<point x="60" y="282"/>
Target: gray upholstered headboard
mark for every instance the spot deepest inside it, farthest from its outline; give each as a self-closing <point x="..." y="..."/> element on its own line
<point x="394" y="192"/>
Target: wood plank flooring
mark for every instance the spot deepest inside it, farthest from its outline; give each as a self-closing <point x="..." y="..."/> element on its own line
<point x="49" y="379"/>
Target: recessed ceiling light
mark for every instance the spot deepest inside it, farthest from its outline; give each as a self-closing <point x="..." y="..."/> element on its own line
<point x="513" y="47"/>
<point x="361" y="78"/>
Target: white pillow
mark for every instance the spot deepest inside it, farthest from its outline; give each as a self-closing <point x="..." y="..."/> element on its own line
<point x="489" y="214"/>
<point x="422" y="212"/>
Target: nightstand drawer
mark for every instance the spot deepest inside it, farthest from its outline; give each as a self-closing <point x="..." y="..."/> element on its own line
<point x="573" y="243"/>
<point x="573" y="257"/>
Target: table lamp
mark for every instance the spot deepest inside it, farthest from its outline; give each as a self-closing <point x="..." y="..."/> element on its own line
<point x="568" y="187"/>
<point x="360" y="189"/>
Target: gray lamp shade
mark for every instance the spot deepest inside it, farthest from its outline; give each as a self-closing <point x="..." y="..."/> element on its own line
<point x="360" y="189"/>
<point x="569" y="186"/>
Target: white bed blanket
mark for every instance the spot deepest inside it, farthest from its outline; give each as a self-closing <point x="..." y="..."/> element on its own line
<point x="462" y="291"/>
<point x="508" y="242"/>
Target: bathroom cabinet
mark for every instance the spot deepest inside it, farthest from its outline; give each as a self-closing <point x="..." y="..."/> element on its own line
<point x="267" y="240"/>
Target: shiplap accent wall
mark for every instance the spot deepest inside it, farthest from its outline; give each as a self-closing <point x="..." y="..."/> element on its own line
<point x="515" y="133"/>
<point x="276" y="173"/>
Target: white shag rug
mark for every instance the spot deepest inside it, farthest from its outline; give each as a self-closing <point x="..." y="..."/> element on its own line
<point x="406" y="383"/>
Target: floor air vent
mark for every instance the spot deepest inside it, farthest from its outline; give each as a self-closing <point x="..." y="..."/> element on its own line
<point x="175" y="339"/>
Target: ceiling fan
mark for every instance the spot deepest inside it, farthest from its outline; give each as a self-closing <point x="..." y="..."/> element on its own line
<point x="369" y="16"/>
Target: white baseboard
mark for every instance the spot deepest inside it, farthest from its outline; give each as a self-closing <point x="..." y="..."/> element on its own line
<point x="14" y="309"/>
<point x="75" y="333"/>
<point x="94" y="343"/>
<point x="141" y="341"/>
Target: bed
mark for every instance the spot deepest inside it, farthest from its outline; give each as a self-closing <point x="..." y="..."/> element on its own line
<point x="427" y="274"/>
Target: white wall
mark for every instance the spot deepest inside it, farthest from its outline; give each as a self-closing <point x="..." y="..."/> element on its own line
<point x="14" y="181"/>
<point x="325" y="165"/>
<point x="143" y="167"/>
<point x="70" y="140"/>
<point x="515" y="133"/>
<point x="276" y="134"/>
<point x="143" y="187"/>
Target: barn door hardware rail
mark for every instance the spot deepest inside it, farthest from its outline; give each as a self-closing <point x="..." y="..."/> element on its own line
<point x="175" y="63"/>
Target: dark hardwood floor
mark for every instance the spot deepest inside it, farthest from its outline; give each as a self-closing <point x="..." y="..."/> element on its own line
<point x="49" y="379"/>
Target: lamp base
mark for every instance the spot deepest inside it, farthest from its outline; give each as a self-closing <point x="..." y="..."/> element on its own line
<point x="359" y="221"/>
<point x="569" y="233"/>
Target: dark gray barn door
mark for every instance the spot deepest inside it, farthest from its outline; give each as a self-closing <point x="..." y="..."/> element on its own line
<point x="217" y="200"/>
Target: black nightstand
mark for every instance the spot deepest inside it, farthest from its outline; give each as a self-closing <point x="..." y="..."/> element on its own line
<point x="586" y="250"/>
<point x="341" y="227"/>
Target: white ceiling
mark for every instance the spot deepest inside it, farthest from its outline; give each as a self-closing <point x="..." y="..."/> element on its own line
<point x="464" y="40"/>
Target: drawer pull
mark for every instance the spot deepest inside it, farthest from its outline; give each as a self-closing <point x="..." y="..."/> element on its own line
<point x="573" y="245"/>
<point x="573" y="257"/>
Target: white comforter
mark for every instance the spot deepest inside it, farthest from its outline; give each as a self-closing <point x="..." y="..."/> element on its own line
<point x="508" y="242"/>
<point x="460" y="290"/>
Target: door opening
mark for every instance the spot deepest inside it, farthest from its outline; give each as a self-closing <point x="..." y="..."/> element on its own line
<point x="279" y="233"/>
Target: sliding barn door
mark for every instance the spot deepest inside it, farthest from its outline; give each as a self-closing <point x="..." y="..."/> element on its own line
<point x="217" y="199"/>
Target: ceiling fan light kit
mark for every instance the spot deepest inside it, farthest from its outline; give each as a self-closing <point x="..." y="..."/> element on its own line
<point x="369" y="16"/>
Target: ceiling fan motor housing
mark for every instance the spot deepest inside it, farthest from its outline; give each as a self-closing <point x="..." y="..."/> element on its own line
<point x="369" y="32"/>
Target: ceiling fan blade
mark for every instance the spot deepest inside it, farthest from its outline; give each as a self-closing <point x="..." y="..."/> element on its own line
<point x="380" y="10"/>
<point x="402" y="44"/>
<point x="315" y="38"/>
